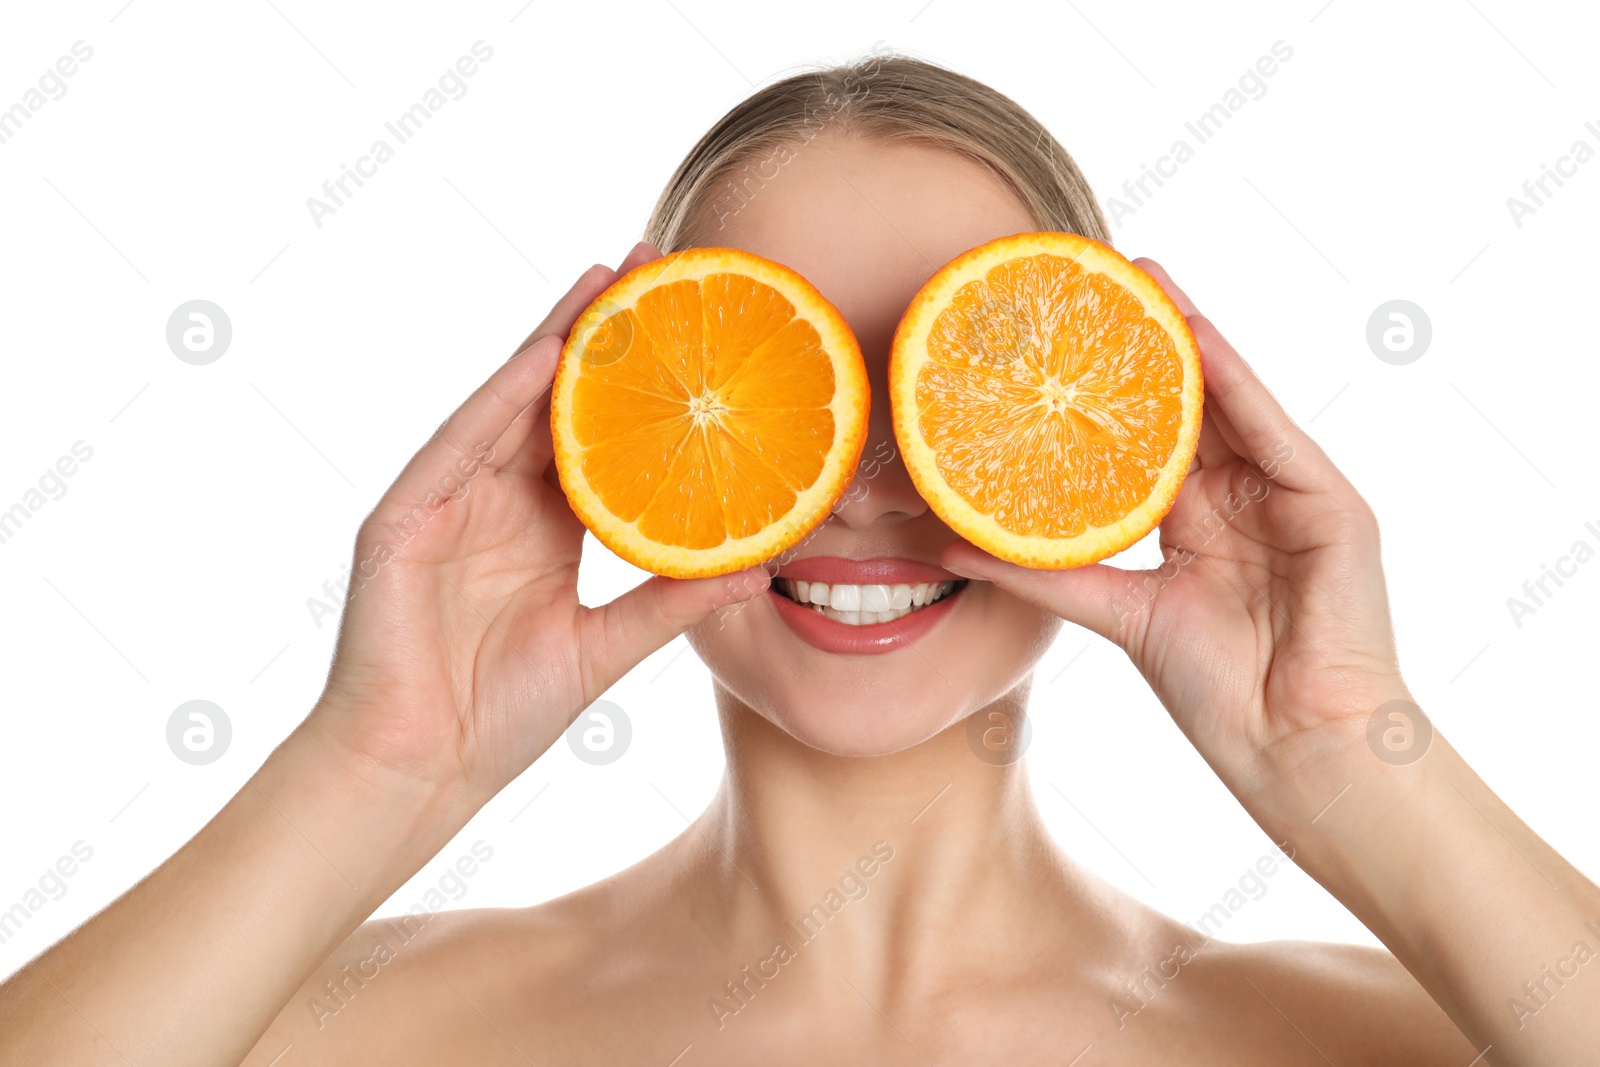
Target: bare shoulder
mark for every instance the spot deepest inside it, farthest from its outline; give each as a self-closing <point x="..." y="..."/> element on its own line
<point x="389" y="992"/>
<point x="455" y="986"/>
<point x="1352" y="1003"/>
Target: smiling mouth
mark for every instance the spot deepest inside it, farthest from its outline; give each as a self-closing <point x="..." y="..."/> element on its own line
<point x="865" y="605"/>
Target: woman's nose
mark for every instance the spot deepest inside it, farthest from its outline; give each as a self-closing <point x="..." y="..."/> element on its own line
<point x="881" y="490"/>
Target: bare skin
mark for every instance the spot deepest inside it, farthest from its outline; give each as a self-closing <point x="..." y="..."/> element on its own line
<point x="963" y="935"/>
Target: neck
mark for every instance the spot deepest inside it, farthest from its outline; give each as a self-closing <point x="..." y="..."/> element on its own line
<point x="874" y="856"/>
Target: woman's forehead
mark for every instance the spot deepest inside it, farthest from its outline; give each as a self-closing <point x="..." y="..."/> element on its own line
<point x="866" y="222"/>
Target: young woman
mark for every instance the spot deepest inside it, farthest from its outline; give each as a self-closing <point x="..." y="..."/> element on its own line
<point x="862" y="886"/>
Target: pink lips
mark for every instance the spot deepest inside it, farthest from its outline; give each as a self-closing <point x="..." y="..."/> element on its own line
<point x="830" y="635"/>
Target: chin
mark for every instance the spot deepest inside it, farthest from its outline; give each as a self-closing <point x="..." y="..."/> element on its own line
<point x="874" y="704"/>
<point x="855" y="721"/>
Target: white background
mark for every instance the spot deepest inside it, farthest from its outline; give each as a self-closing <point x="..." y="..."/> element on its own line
<point x="219" y="498"/>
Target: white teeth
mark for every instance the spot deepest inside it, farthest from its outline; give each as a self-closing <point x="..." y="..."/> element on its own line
<point x="863" y="605"/>
<point x="874" y="598"/>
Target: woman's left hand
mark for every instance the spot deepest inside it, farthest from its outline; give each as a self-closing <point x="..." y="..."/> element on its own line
<point x="1266" y="632"/>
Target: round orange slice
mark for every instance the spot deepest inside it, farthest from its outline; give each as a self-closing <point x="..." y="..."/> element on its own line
<point x="1046" y="396"/>
<point x="708" y="410"/>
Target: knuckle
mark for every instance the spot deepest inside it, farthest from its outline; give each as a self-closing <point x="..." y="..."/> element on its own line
<point x="1362" y="518"/>
<point x="1355" y="519"/>
<point x="371" y="530"/>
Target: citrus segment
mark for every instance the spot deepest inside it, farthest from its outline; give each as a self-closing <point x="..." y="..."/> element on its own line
<point x="1046" y="396"/>
<point x="708" y="410"/>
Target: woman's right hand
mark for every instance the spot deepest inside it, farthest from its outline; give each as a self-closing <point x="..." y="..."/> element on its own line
<point x="464" y="653"/>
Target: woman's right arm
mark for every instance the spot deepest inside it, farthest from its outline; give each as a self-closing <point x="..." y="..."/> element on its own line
<point x="192" y="964"/>
<point x="463" y="654"/>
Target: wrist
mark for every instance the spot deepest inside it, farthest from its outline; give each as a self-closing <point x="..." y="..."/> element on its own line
<point x="1373" y="833"/>
<point x="374" y="825"/>
<point x="1378" y="735"/>
<point x="409" y="765"/>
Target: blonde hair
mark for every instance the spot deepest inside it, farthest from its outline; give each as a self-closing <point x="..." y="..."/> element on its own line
<point x="886" y="97"/>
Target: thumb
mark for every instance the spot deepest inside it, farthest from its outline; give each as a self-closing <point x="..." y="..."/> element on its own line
<point x="1098" y="597"/>
<point x="619" y="635"/>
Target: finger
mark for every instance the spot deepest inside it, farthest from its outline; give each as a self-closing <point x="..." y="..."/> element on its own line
<point x="465" y="444"/>
<point x="569" y="307"/>
<point x="535" y="448"/>
<point x="535" y="444"/>
<point x="523" y="431"/>
<point x="638" y="256"/>
<point x="1253" y="421"/>
<point x="1098" y="596"/>
<point x="1159" y="273"/>
<point x="1217" y="440"/>
<point x="590" y="284"/>
<point x="616" y="637"/>
<point x="494" y="421"/>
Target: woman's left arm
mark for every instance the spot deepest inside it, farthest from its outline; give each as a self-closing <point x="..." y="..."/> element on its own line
<point x="1266" y="635"/>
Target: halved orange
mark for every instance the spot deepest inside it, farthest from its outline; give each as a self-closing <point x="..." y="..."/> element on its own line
<point x="1046" y="396"/>
<point x="708" y="410"/>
